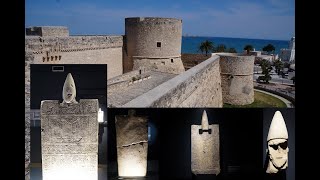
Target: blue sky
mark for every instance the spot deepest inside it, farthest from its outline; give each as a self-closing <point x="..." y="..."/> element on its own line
<point x="261" y="19"/>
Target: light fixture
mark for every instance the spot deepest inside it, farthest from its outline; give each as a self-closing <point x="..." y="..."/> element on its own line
<point x="100" y="115"/>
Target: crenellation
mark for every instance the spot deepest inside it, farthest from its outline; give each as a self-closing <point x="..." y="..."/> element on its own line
<point x="43" y="31"/>
<point x="78" y="50"/>
<point x="73" y="42"/>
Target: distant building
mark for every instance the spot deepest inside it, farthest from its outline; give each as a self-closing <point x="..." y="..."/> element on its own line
<point x="288" y="55"/>
<point x="260" y="55"/>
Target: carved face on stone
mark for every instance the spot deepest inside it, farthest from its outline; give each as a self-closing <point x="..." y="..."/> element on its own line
<point x="278" y="153"/>
<point x="277" y="144"/>
<point x="69" y="90"/>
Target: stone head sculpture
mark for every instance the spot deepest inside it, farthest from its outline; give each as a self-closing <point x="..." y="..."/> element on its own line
<point x="69" y="90"/>
<point x="204" y="123"/>
<point x="277" y="144"/>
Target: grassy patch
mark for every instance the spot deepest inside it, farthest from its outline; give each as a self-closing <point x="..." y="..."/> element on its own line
<point x="261" y="100"/>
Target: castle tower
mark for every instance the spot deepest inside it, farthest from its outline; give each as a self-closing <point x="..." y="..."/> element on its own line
<point x="237" y="78"/>
<point x="153" y="44"/>
<point x="292" y="43"/>
<point x="288" y="55"/>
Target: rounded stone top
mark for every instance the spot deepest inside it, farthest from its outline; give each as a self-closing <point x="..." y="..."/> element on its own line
<point x="65" y="27"/>
<point x="278" y="128"/>
<point x="233" y="54"/>
<point x="236" y="64"/>
<point x="151" y="20"/>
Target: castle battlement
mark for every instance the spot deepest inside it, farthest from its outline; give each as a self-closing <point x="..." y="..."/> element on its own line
<point x="43" y="31"/>
<point x="151" y="47"/>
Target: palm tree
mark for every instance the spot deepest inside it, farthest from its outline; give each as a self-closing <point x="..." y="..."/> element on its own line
<point x="278" y="65"/>
<point x="221" y="48"/>
<point x="206" y="46"/>
<point x="266" y="68"/>
<point x="232" y="50"/>
<point x="248" y="48"/>
<point x="269" y="48"/>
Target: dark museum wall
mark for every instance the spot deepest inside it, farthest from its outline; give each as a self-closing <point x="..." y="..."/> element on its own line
<point x="170" y="144"/>
<point x="90" y="80"/>
<point x="240" y="142"/>
<point x="289" y="118"/>
<point x="153" y="140"/>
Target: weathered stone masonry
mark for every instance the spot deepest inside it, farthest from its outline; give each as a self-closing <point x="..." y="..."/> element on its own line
<point x="153" y="44"/>
<point x="132" y="144"/>
<point x="78" y="50"/>
<point x="200" y="86"/>
<point x="28" y="60"/>
<point x="60" y="31"/>
<point x="237" y="78"/>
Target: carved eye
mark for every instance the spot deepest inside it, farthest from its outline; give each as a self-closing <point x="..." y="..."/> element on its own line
<point x="275" y="147"/>
<point x="284" y="145"/>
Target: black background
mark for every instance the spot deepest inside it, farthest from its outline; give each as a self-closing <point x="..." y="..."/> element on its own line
<point x="90" y="81"/>
<point x="240" y="140"/>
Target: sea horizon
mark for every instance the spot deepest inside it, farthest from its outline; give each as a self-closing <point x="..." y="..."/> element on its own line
<point x="190" y="44"/>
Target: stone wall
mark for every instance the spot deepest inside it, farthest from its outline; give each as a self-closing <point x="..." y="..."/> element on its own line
<point x="124" y="77"/>
<point x="57" y="31"/>
<point x="168" y="65"/>
<point x="200" y="86"/>
<point x="153" y="38"/>
<point x="185" y="57"/>
<point x="28" y="61"/>
<point x="78" y="50"/>
<point x="237" y="78"/>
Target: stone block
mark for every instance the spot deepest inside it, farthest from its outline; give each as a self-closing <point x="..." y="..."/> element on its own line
<point x="69" y="139"/>
<point x="132" y="145"/>
<point x="205" y="153"/>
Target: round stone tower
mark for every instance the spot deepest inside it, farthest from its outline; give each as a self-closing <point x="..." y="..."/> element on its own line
<point x="237" y="78"/>
<point x="153" y="43"/>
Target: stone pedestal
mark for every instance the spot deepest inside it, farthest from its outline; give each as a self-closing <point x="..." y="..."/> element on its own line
<point x="132" y="145"/>
<point x="69" y="139"/>
<point x="205" y="153"/>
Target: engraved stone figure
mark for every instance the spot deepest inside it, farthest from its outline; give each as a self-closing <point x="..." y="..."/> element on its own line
<point x="69" y="90"/>
<point x="69" y="136"/>
<point x="277" y="144"/>
<point x="205" y="153"/>
<point x="132" y="144"/>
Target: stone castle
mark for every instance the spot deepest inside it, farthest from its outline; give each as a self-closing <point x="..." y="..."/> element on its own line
<point x="145" y="68"/>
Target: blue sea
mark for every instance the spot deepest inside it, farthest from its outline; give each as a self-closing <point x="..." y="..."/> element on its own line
<point x="191" y="44"/>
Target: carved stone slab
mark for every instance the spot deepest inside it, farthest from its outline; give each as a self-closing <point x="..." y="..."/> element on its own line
<point x="69" y="138"/>
<point x="132" y="145"/>
<point x="205" y="153"/>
